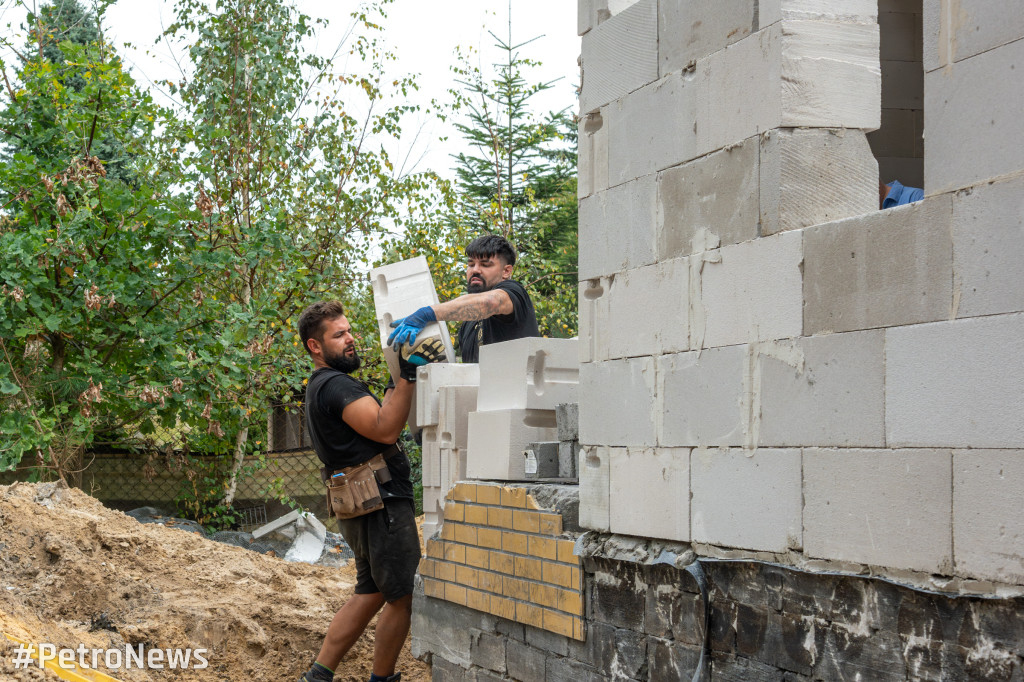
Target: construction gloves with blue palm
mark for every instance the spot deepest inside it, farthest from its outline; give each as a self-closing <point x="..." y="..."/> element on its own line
<point x="408" y="327"/>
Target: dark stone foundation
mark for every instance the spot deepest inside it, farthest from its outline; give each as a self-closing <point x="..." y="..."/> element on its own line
<point x="768" y="622"/>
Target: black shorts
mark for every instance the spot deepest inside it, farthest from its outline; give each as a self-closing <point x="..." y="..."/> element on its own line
<point x="387" y="549"/>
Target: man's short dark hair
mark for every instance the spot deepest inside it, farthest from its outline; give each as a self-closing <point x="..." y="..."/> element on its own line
<point x="311" y="322"/>
<point x="490" y="245"/>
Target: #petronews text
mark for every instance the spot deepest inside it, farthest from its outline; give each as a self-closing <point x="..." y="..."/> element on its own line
<point x="114" y="659"/>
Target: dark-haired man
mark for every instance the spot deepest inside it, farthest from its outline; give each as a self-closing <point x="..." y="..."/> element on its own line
<point x="349" y="426"/>
<point x="497" y="308"/>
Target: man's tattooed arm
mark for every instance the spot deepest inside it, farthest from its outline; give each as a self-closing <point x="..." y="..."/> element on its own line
<point x="475" y="306"/>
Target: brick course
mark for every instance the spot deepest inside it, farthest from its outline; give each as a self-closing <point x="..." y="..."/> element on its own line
<point x="500" y="552"/>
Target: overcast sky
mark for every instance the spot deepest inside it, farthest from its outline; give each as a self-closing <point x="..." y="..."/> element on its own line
<point x="423" y="33"/>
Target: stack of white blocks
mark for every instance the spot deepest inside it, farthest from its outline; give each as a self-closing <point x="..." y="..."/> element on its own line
<point x="770" y="363"/>
<point x="445" y="395"/>
<point x="521" y="384"/>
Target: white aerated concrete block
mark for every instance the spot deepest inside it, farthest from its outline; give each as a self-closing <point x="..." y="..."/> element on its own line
<point x="658" y="126"/>
<point x="881" y="269"/>
<point x="532" y="373"/>
<point x="593" y="308"/>
<point x="956" y="384"/>
<point x="647" y="311"/>
<point x="823" y="390"/>
<point x="744" y="90"/>
<point x="649" y="493"/>
<point x="988" y="517"/>
<point x="688" y="31"/>
<point x="702" y="397"/>
<point x="718" y="194"/>
<point x="617" y="228"/>
<point x="955" y="30"/>
<point x="902" y="85"/>
<point x="749" y="499"/>
<point x="433" y="510"/>
<point x="400" y="289"/>
<point x="755" y="293"/>
<point x="431" y="457"/>
<point x="627" y="415"/>
<point x="593" y="156"/>
<point x="831" y="75"/>
<point x="453" y="467"/>
<point x="810" y="177"/>
<point x="429" y="381"/>
<point x="587" y="14"/>
<point x="595" y="473"/>
<point x="497" y="440"/>
<point x="974" y="119"/>
<point x="618" y="6"/>
<point x="454" y="405"/>
<point x="620" y="55"/>
<point x="791" y="74"/>
<point x="889" y="508"/>
<point x="900" y="36"/>
<point x="848" y="11"/>
<point x="988" y="249"/>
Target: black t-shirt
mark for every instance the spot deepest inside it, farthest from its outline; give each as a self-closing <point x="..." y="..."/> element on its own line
<point x="518" y="324"/>
<point x="337" y="444"/>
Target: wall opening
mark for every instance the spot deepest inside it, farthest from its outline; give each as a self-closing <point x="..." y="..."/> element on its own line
<point x="899" y="143"/>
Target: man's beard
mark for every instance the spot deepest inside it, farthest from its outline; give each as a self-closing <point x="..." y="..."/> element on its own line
<point x="476" y="287"/>
<point x="343" y="362"/>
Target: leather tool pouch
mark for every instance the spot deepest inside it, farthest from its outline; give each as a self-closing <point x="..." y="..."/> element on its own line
<point x="357" y="492"/>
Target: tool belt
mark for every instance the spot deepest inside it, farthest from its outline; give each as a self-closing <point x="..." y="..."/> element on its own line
<point x="357" y="492"/>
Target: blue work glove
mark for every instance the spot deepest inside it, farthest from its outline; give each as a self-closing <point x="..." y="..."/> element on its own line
<point x="409" y="327"/>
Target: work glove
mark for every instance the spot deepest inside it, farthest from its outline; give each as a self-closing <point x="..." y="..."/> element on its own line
<point x="409" y="327"/>
<point x="411" y="359"/>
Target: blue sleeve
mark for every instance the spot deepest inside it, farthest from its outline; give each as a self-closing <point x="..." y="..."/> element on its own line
<point x="914" y="194"/>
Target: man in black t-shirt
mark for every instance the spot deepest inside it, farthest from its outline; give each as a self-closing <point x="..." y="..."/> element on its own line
<point x="497" y="308"/>
<point x="348" y="426"/>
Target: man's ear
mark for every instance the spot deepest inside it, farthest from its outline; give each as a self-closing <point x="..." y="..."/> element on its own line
<point x="506" y="272"/>
<point x="314" y="346"/>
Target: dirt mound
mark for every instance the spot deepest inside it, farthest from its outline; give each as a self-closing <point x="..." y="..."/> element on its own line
<point x="74" y="572"/>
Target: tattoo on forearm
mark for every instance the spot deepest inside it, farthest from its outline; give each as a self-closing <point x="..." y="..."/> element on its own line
<point x="473" y="307"/>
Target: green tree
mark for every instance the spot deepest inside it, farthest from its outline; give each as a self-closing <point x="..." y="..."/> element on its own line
<point x="291" y="183"/>
<point x="90" y="262"/>
<point x="518" y="180"/>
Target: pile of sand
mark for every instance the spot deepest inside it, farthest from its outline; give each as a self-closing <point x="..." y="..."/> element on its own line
<point x="74" y="572"/>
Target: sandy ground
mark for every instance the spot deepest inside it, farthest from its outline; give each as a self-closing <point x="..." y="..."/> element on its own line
<point x="74" y="572"/>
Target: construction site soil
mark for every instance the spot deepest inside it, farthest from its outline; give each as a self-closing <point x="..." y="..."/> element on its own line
<point x="73" y="572"/>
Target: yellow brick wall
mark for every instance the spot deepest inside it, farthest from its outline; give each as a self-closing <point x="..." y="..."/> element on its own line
<point x="501" y="553"/>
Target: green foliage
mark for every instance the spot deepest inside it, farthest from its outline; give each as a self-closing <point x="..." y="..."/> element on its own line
<point x="519" y="181"/>
<point x="156" y="258"/>
<point x="156" y="308"/>
<point x="88" y="263"/>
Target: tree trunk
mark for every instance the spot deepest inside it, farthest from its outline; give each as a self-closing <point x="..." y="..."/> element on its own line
<point x="240" y="441"/>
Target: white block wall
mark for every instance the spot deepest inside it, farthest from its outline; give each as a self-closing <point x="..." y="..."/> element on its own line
<point x="828" y="379"/>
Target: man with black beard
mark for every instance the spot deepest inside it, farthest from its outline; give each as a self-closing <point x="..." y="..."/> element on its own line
<point x="497" y="308"/>
<point x="348" y="426"/>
